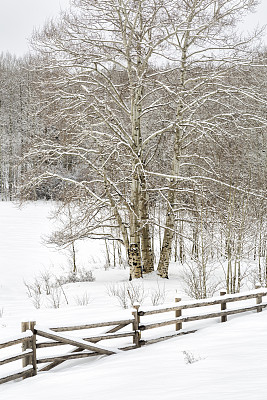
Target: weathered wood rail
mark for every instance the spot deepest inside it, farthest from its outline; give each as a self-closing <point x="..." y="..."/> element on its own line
<point x="26" y="355"/>
<point x="89" y="346"/>
<point x="85" y="346"/>
<point x="180" y="306"/>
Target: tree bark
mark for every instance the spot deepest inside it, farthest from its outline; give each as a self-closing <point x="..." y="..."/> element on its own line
<point x="165" y="254"/>
<point x="146" y="242"/>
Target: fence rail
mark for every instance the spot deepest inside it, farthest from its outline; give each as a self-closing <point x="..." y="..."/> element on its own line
<point x="16" y="340"/>
<point x="89" y="346"/>
<point x="204" y="302"/>
<point x="123" y="322"/>
<point x="179" y="306"/>
<point x="24" y="372"/>
<point x="86" y="346"/>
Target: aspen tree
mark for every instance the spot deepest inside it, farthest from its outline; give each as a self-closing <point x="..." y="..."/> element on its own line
<point x="138" y="95"/>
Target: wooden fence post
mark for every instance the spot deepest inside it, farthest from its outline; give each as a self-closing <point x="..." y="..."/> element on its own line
<point x="136" y="323"/>
<point x="178" y="313"/>
<point x="33" y="343"/>
<point x="25" y="345"/>
<point x="258" y="299"/>
<point x="223" y="307"/>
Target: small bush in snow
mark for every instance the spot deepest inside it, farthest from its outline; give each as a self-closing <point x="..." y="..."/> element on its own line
<point x="41" y="284"/>
<point x="199" y="281"/>
<point x="158" y="295"/>
<point x="190" y="358"/>
<point x="49" y="287"/>
<point x="83" y="300"/>
<point x="36" y="299"/>
<point x="256" y="277"/>
<point x="34" y="291"/>
<point x="47" y="282"/>
<point x="81" y="275"/>
<point x="127" y="293"/>
<point x="136" y="293"/>
<point x="54" y="298"/>
<point x="119" y="290"/>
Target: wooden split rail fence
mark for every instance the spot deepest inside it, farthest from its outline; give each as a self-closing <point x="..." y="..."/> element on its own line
<point x="26" y="340"/>
<point x="89" y="346"/>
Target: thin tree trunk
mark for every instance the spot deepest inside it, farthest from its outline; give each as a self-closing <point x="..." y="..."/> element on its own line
<point x="165" y="254"/>
<point x="140" y="239"/>
<point x="176" y="248"/>
<point x="107" y="255"/>
<point x="134" y="252"/>
<point x="166" y="248"/>
<point x="146" y="245"/>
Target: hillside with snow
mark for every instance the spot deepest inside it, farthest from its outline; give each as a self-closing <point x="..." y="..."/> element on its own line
<point x="219" y="361"/>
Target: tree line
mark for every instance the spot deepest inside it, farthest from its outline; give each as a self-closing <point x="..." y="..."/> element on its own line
<point x="147" y="120"/>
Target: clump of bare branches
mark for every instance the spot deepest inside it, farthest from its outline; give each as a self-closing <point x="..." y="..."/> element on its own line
<point x="54" y="298"/>
<point x="48" y="287"/>
<point x="80" y="275"/>
<point x="158" y="295"/>
<point x="199" y="281"/>
<point x="190" y="358"/>
<point x="127" y="293"/>
<point x="83" y="300"/>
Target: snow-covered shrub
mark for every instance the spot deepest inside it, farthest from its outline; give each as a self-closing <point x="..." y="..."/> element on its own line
<point x="190" y="358"/>
<point x="36" y="299"/>
<point x="127" y="293"/>
<point x="49" y="287"/>
<point x="54" y="298"/>
<point x="119" y="290"/>
<point x="257" y="276"/>
<point x="199" y="282"/>
<point x="85" y="275"/>
<point x="83" y="300"/>
<point x="34" y="292"/>
<point x="136" y="293"/>
<point x="47" y="281"/>
<point x="158" y="295"/>
<point x="81" y="275"/>
<point x="41" y="284"/>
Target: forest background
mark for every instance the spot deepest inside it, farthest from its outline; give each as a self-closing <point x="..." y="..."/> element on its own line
<point x="146" y="122"/>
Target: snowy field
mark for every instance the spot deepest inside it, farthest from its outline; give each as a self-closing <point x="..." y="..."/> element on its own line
<point x="220" y="361"/>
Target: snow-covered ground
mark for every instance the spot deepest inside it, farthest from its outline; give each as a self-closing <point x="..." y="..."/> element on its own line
<point x="220" y="361"/>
